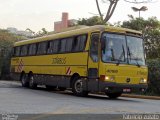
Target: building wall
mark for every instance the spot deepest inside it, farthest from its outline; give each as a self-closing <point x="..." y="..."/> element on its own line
<point x="57" y="26"/>
<point x="60" y="25"/>
<point x="64" y="20"/>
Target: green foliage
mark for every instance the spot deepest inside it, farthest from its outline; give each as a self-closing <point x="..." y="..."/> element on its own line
<point x="40" y="33"/>
<point x="6" y="43"/>
<point x="151" y="32"/>
<point x="154" y="77"/>
<point x="95" y="20"/>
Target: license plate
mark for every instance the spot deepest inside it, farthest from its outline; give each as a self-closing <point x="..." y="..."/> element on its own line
<point x="126" y="90"/>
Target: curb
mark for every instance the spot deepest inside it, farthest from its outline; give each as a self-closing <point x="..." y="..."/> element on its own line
<point x="141" y="96"/>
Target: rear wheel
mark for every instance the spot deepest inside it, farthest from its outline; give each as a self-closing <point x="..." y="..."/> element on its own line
<point x="77" y="87"/>
<point x="32" y="83"/>
<point x="113" y="95"/>
<point x="24" y="81"/>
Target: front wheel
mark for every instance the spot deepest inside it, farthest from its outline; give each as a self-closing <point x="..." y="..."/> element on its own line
<point x="113" y="95"/>
<point x="77" y="87"/>
<point x="32" y="83"/>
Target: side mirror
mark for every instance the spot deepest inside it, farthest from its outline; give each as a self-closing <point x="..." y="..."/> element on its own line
<point x="103" y="44"/>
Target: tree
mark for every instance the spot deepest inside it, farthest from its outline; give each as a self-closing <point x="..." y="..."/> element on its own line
<point x="40" y="33"/>
<point x="6" y="43"/>
<point x="95" y="20"/>
<point x="112" y="5"/>
<point x="29" y="30"/>
<point x="151" y="33"/>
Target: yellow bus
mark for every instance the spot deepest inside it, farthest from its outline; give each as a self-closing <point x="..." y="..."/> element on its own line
<point x="90" y="59"/>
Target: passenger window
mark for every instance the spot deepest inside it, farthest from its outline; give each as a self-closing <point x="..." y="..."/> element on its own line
<point x="63" y="45"/>
<point x="42" y="48"/>
<point x="50" y="47"/>
<point x="32" y="49"/>
<point x="69" y="43"/>
<point x="75" y="44"/>
<point x="79" y="43"/>
<point x="56" y="46"/>
<point x="17" y="51"/>
<point x="13" y="52"/>
<point x="24" y="50"/>
<point x="94" y="47"/>
<point x="83" y="39"/>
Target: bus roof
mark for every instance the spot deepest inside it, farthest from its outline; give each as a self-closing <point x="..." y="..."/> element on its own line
<point x="78" y="31"/>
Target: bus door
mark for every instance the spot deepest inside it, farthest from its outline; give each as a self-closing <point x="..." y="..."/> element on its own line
<point x="93" y="62"/>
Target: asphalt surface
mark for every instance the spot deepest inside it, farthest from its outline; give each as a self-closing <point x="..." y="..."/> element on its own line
<point x="15" y="99"/>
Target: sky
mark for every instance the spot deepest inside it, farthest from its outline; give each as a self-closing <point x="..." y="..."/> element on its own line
<point x="38" y="14"/>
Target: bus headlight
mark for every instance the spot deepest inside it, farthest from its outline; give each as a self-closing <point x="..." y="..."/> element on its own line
<point x="142" y="80"/>
<point x="106" y="78"/>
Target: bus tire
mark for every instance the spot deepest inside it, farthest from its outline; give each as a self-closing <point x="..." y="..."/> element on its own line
<point x="24" y="81"/>
<point x="32" y="83"/>
<point x="77" y="87"/>
<point x="114" y="95"/>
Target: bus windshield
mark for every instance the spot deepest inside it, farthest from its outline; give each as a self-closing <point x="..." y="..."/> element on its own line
<point x="122" y="49"/>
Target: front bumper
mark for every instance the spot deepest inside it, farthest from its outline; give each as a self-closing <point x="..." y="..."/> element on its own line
<point x="112" y="87"/>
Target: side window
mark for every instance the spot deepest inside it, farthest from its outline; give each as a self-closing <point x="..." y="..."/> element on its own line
<point x="94" y="47"/>
<point x="63" y="45"/>
<point x="17" y="51"/>
<point x="69" y="44"/>
<point x="53" y="46"/>
<point x="24" y="50"/>
<point x="75" y="44"/>
<point x="32" y="49"/>
<point x="56" y="46"/>
<point x="83" y="39"/>
<point x="79" y="43"/>
<point x="50" y="47"/>
<point x="13" y="51"/>
<point x="42" y="48"/>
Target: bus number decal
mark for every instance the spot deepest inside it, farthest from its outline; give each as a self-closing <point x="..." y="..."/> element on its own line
<point x="112" y="71"/>
<point x="59" y="60"/>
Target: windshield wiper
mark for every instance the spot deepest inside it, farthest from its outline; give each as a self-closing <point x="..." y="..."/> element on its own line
<point x="130" y="54"/>
<point x="112" y="52"/>
<point x="122" y="55"/>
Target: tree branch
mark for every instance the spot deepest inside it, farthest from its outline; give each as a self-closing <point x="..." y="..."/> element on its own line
<point x="112" y="6"/>
<point x="99" y="11"/>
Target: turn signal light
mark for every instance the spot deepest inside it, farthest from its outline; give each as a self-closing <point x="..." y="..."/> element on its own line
<point x="103" y="77"/>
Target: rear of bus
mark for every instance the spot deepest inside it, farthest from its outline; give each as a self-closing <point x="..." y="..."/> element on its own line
<point x="122" y="68"/>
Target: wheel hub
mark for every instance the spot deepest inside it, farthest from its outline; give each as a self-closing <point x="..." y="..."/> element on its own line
<point x="78" y="86"/>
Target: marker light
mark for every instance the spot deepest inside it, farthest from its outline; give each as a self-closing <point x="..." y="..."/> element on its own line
<point x="142" y="80"/>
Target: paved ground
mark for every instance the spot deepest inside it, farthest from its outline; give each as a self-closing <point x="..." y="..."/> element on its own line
<point x="16" y="99"/>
